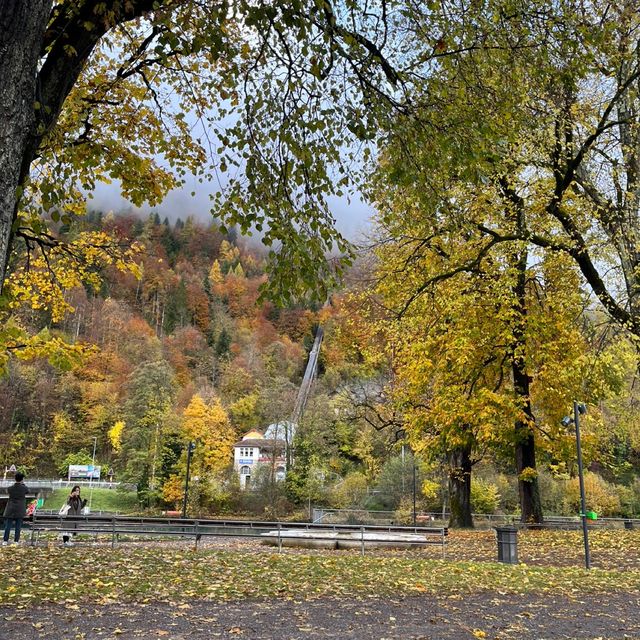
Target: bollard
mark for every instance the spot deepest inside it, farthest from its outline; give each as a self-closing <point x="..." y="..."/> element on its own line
<point x="33" y="529"/>
<point x="628" y="524"/>
<point x="507" y="538"/>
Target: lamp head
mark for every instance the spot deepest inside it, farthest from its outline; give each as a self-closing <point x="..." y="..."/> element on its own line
<point x="566" y="421"/>
<point x="582" y="408"/>
<point x="401" y="434"/>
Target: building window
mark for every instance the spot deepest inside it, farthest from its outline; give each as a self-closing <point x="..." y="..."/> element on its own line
<point x="280" y="473"/>
<point x="245" y="470"/>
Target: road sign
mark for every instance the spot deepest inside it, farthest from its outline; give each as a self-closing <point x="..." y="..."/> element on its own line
<point x="12" y="469"/>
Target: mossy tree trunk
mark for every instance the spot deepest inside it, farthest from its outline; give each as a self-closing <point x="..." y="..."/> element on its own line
<point x="460" y="487"/>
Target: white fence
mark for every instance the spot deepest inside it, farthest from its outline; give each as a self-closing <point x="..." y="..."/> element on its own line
<point x="48" y="483"/>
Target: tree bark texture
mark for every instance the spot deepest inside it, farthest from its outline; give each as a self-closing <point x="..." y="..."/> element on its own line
<point x="524" y="437"/>
<point x="528" y="487"/>
<point x="43" y="51"/>
<point x="525" y="448"/>
<point x="460" y="488"/>
<point x="22" y="28"/>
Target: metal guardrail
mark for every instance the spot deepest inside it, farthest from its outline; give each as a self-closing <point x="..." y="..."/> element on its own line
<point x="324" y="516"/>
<point x="93" y="512"/>
<point x="196" y="529"/>
<point x="553" y="521"/>
<point x="48" y="483"/>
<point x="40" y="518"/>
<point x="320" y="513"/>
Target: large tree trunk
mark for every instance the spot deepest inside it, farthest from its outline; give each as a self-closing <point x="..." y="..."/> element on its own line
<point x="525" y="449"/>
<point x="22" y="27"/>
<point x="528" y="487"/>
<point x="460" y="488"/>
<point x="42" y="53"/>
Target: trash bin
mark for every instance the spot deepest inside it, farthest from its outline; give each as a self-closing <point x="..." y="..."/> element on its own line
<point x="628" y="524"/>
<point x="507" y="544"/>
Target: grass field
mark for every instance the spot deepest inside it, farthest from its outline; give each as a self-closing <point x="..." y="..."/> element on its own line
<point x="173" y="572"/>
<point x="127" y="574"/>
<point x="111" y="500"/>
<point x="232" y="589"/>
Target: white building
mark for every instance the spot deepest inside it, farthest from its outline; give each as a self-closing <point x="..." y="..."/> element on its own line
<point x="255" y="450"/>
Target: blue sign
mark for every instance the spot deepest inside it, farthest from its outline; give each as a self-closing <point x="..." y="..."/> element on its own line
<point x="241" y="461"/>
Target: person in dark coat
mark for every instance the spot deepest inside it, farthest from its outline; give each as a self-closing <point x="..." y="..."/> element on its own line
<point x="16" y="509"/>
<point x="76" y="505"/>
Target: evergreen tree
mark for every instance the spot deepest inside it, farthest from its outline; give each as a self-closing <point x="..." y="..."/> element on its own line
<point x="223" y="344"/>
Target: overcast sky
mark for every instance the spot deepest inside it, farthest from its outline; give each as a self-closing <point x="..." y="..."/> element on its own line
<point x="352" y="218"/>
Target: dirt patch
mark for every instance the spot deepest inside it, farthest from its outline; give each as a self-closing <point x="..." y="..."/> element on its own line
<point x="484" y="615"/>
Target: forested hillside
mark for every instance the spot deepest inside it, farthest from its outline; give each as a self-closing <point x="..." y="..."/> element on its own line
<point x="164" y="339"/>
<point x="179" y="348"/>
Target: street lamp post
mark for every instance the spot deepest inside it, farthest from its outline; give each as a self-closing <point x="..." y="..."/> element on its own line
<point x="580" y="408"/>
<point x="93" y="467"/>
<point x="190" y="447"/>
<point x="413" y="459"/>
<point x="577" y="410"/>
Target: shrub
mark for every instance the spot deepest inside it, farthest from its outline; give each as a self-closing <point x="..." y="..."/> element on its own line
<point x="267" y="497"/>
<point x="508" y="492"/>
<point x="635" y="491"/>
<point x="602" y="496"/>
<point x="553" y="494"/>
<point x="404" y="513"/>
<point x="351" y="492"/>
<point x="396" y="480"/>
<point x="81" y="457"/>
<point x="507" y="486"/>
<point x="627" y="500"/>
<point x="173" y="491"/>
<point x="432" y="495"/>
<point x="484" y="496"/>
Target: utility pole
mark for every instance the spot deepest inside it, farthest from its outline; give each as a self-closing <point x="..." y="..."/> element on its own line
<point x="413" y="459"/>
<point x="190" y="448"/>
<point x="403" y="468"/>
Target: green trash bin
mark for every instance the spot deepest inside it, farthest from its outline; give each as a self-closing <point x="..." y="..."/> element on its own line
<point x="507" y="538"/>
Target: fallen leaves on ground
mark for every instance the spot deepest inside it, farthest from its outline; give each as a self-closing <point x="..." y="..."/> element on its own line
<point x="177" y="574"/>
<point x="610" y="548"/>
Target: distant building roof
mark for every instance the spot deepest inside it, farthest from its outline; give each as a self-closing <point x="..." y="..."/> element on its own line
<point x="254" y="434"/>
<point x="261" y="443"/>
<point x="283" y="430"/>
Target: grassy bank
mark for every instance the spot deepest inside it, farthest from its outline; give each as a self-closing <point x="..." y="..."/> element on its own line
<point x="177" y="575"/>
<point x="112" y="500"/>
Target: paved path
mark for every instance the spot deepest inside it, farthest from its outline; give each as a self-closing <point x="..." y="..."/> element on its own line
<point x="498" y="617"/>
